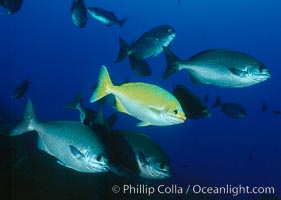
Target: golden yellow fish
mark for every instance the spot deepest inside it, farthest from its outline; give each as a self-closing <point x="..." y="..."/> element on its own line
<point x="148" y="103"/>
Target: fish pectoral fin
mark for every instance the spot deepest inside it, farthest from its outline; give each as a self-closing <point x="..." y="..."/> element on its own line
<point x="120" y="107"/>
<point x="237" y="72"/>
<point x="75" y="152"/>
<point x="61" y="163"/>
<point x="142" y="159"/>
<point x="140" y="124"/>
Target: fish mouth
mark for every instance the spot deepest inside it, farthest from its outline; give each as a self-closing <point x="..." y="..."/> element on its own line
<point x="99" y="167"/>
<point x="180" y="118"/>
<point x="160" y="174"/>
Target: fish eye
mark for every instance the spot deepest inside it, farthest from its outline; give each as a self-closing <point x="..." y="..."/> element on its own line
<point x="168" y="30"/>
<point x="162" y="166"/>
<point x="261" y="68"/>
<point x="175" y="112"/>
<point x="99" y="158"/>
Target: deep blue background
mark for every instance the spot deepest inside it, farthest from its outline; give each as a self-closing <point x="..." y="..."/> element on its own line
<point x="41" y="43"/>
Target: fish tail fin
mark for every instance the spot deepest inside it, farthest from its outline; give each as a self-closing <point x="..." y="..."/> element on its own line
<point x="28" y="121"/>
<point x="172" y="63"/>
<point x="104" y="85"/>
<point x="122" y="21"/>
<point x="217" y="103"/>
<point x="76" y="102"/>
<point x="124" y="50"/>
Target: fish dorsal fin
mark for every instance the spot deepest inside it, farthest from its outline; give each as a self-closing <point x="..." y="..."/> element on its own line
<point x="120" y="107"/>
<point x="202" y="53"/>
<point x="142" y="159"/>
<point x="75" y="152"/>
<point x="141" y="124"/>
<point x="237" y="72"/>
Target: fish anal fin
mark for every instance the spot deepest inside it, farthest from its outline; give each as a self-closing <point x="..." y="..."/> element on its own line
<point x="41" y="145"/>
<point x="141" y="124"/>
<point x="61" y="163"/>
<point x="120" y="107"/>
<point x="194" y="79"/>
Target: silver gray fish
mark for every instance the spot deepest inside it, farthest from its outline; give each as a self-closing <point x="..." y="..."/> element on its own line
<point x="221" y="67"/>
<point x="149" y="44"/>
<point x="79" y="15"/>
<point x="11" y="6"/>
<point x="106" y="17"/>
<point x="140" y="154"/>
<point x="74" y="145"/>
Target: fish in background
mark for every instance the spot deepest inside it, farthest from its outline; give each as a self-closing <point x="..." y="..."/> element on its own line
<point x="21" y="89"/>
<point x="232" y="110"/>
<point x="140" y="67"/>
<point x="106" y="17"/>
<point x="146" y="102"/>
<point x="220" y="67"/>
<point x="264" y="107"/>
<point x="79" y="16"/>
<point x="206" y="98"/>
<point x="140" y="154"/>
<point x="192" y="105"/>
<point x="276" y="112"/>
<point x="92" y="118"/>
<point x="75" y="145"/>
<point x="11" y="6"/>
<point x="148" y="44"/>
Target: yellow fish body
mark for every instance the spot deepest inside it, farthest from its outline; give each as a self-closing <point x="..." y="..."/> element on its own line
<point x="148" y="103"/>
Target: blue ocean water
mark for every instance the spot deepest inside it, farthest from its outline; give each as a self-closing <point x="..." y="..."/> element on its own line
<point x="41" y="43"/>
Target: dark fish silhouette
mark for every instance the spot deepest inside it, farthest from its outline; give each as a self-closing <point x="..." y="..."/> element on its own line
<point x="276" y="112"/>
<point x="147" y="45"/>
<point x="21" y="89"/>
<point x="264" y="107"/>
<point x="220" y="67"/>
<point x="79" y="15"/>
<point x="92" y="118"/>
<point x="232" y="110"/>
<point x="11" y="6"/>
<point x="140" y="154"/>
<point x="106" y="17"/>
<point x="193" y="106"/>
<point x="206" y="98"/>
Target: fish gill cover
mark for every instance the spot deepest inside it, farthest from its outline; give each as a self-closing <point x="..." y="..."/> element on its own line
<point x="52" y="49"/>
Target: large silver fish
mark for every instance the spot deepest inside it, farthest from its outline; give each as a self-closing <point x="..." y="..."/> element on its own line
<point x="149" y="44"/>
<point x="79" y="15"/>
<point x="221" y="67"/>
<point x="140" y="154"/>
<point x="74" y="145"/>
